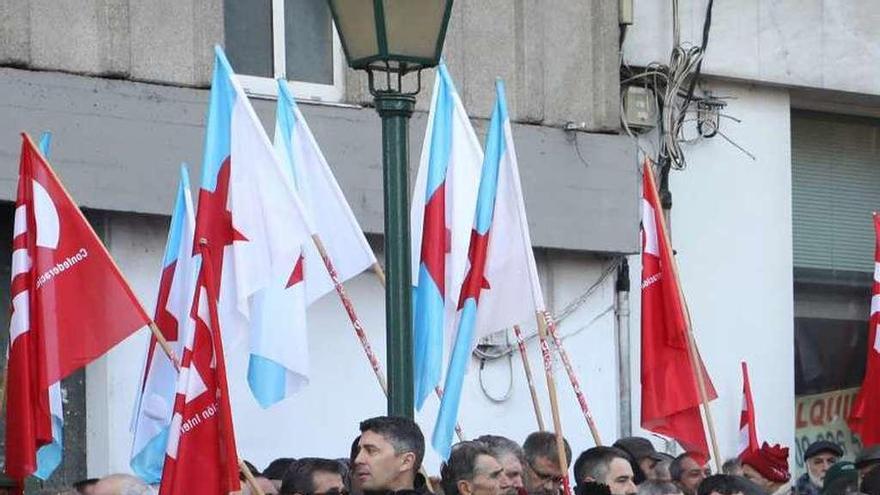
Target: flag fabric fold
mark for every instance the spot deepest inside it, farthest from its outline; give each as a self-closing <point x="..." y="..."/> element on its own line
<point x="670" y="396"/>
<point x="864" y="418"/>
<point x="748" y="431"/>
<point x="201" y="457"/>
<point x="251" y="218"/>
<point x="70" y="304"/>
<point x="155" y="400"/>
<point x="441" y="219"/>
<point x="501" y="286"/>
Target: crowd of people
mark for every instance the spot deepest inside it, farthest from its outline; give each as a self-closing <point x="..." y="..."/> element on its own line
<point x="386" y="459"/>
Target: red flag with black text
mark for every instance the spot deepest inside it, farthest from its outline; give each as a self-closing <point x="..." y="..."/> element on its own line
<point x="70" y="305"/>
<point x="865" y="416"/>
<point x="670" y="395"/>
<point x="201" y="457"/>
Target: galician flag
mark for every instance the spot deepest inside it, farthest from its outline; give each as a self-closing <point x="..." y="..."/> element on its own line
<point x="441" y="217"/>
<point x="201" y="455"/>
<point x="748" y="431"/>
<point x="70" y="305"/>
<point x="501" y="288"/>
<point x="864" y="418"/>
<point x="302" y="160"/>
<point x="255" y="226"/>
<point x="155" y="401"/>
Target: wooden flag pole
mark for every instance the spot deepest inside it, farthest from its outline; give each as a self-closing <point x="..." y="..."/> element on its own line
<point x="528" y="369"/>
<point x="575" y="383"/>
<point x="692" y="344"/>
<point x="554" y="404"/>
<point x="249" y="476"/>
<point x="380" y="273"/>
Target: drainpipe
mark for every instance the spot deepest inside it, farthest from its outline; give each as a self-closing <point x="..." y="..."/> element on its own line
<point x="621" y="310"/>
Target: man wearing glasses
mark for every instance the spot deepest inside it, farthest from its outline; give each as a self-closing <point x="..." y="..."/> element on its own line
<point x="543" y="472"/>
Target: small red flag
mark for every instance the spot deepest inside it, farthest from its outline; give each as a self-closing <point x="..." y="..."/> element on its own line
<point x="670" y="397"/>
<point x="865" y="416"/>
<point x="70" y="305"/>
<point x="201" y="458"/>
<point x="748" y="432"/>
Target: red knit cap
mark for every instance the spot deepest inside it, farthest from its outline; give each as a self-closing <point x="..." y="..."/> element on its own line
<point x="771" y="462"/>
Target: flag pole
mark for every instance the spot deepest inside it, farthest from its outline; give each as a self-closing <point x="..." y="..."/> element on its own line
<point x="528" y="369"/>
<point x="249" y="477"/>
<point x="554" y="404"/>
<point x="380" y="273"/>
<point x="575" y="383"/>
<point x="692" y="344"/>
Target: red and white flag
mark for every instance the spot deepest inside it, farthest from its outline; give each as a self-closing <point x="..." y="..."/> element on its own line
<point x="748" y="431"/>
<point x="201" y="457"/>
<point x="865" y="416"/>
<point x="670" y="395"/>
<point x="70" y="305"/>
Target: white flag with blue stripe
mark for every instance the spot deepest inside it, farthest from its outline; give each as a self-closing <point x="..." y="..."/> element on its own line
<point x="155" y="400"/>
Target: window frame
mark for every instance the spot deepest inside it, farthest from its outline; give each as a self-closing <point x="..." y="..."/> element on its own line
<point x="265" y="87"/>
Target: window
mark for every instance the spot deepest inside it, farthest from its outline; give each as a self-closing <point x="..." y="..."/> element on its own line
<point x="293" y="39"/>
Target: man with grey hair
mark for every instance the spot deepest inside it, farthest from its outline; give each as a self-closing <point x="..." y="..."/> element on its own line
<point x="609" y="466"/>
<point x="471" y="470"/>
<point x="511" y="457"/>
<point x="121" y="484"/>
<point x="657" y="487"/>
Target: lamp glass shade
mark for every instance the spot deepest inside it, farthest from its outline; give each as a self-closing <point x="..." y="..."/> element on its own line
<point x="356" y="23"/>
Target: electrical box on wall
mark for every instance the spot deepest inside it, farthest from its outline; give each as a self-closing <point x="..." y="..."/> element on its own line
<point x="639" y="108"/>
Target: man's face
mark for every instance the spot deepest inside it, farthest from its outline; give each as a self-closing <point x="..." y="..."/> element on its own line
<point x="647" y="465"/>
<point x="620" y="477"/>
<point x="325" y="482"/>
<point x="377" y="466"/>
<point x="487" y="478"/>
<point x="753" y="475"/>
<point x="818" y="465"/>
<point x="544" y="477"/>
<point x="512" y="475"/>
<point x="692" y="475"/>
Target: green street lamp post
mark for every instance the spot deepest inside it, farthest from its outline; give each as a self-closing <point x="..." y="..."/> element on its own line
<point x="390" y="39"/>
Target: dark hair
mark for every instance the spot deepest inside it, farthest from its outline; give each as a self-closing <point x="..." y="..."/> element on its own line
<point x="355" y="448"/>
<point x="594" y="463"/>
<point x="276" y="469"/>
<point x="543" y="444"/>
<point x="727" y="484"/>
<point x="502" y="446"/>
<point x="402" y="433"/>
<point x="731" y="465"/>
<point x="676" y="470"/>
<point x="461" y="465"/>
<point x="300" y="474"/>
<point x="253" y="469"/>
<point x="83" y="484"/>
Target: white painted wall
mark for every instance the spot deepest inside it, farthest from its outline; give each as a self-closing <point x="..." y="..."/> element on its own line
<point x="323" y="419"/>
<point x="823" y="44"/>
<point x="731" y="228"/>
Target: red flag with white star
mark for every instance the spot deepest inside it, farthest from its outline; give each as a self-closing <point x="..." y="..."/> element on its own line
<point x="670" y="397"/>
<point x="865" y="416"/>
<point x="70" y="305"/>
<point x="201" y="457"/>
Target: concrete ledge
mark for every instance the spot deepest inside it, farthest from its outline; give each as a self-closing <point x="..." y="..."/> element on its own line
<point x="117" y="145"/>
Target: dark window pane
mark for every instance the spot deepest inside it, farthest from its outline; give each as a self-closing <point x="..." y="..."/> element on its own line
<point x="309" y="39"/>
<point x="249" y="36"/>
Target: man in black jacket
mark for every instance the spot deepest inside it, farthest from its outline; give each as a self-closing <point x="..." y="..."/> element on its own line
<point x="389" y="455"/>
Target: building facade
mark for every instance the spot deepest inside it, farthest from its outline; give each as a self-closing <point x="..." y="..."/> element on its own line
<point x="123" y="87"/>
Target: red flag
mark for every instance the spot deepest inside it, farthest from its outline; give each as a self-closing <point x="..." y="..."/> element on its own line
<point x="201" y="458"/>
<point x="670" y="397"/>
<point x="70" y="304"/>
<point x="748" y="432"/>
<point x="865" y="416"/>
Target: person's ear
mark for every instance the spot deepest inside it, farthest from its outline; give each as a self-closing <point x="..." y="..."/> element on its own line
<point x="464" y="487"/>
<point x="408" y="461"/>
